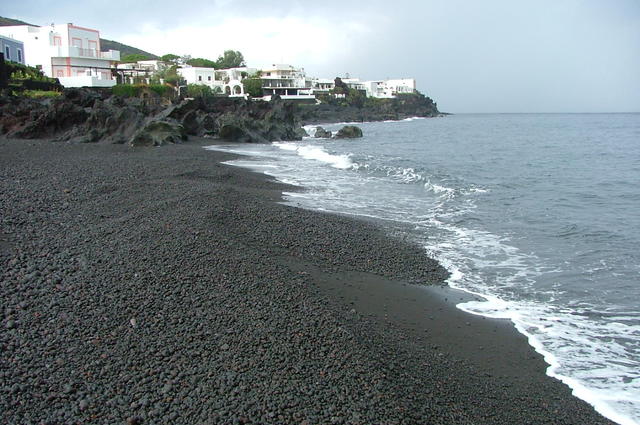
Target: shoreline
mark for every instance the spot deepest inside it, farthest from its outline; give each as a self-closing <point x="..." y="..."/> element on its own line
<point x="446" y="293"/>
<point x="216" y="302"/>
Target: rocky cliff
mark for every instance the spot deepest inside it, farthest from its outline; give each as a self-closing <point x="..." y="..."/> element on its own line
<point x="83" y="115"/>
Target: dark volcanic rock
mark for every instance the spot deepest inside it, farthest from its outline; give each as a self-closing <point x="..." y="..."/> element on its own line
<point x="349" y="132"/>
<point x="158" y="133"/>
<point x="191" y="123"/>
<point x="339" y="110"/>
<point x="208" y="124"/>
<point x="60" y="116"/>
<point x="237" y="128"/>
<point x="84" y="115"/>
<point x="322" y="133"/>
<point x="82" y="97"/>
<point x="301" y="132"/>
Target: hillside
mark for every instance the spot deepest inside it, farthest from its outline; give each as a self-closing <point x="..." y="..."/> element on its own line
<point x="124" y="49"/>
<point x="104" y="43"/>
<point x="5" y="22"/>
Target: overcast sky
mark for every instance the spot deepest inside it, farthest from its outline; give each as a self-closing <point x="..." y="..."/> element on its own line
<point x="468" y="55"/>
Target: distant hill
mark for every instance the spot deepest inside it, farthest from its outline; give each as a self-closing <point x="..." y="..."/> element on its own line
<point x="104" y="43"/>
<point x="124" y="49"/>
<point x="5" y="22"/>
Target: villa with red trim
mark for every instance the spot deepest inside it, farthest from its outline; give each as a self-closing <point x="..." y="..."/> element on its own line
<point x="67" y="52"/>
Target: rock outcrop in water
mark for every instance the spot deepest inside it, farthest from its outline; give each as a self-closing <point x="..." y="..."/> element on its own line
<point x="321" y="133"/>
<point x="88" y="116"/>
<point x="349" y="132"/>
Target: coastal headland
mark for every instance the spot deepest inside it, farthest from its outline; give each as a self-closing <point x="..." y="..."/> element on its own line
<point x="158" y="286"/>
<point x="150" y="119"/>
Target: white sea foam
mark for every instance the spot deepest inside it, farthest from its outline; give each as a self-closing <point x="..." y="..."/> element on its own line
<point x="318" y="154"/>
<point x="438" y="189"/>
<point x="329" y="124"/>
<point x="572" y="349"/>
<point x="287" y="146"/>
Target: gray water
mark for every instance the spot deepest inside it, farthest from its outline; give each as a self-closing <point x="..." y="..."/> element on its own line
<point x="538" y="213"/>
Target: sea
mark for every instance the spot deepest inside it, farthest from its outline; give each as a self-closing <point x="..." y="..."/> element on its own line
<point x="539" y="214"/>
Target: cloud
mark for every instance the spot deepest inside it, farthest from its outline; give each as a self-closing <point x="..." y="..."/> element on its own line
<point x="263" y="41"/>
<point x="494" y="55"/>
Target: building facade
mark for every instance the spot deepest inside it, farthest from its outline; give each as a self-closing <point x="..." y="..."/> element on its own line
<point x="67" y="52"/>
<point x="141" y="71"/>
<point x="291" y="83"/>
<point x="198" y="75"/>
<point x="382" y="89"/>
<point x="286" y="81"/>
<point x="224" y="81"/>
<point x="13" y="50"/>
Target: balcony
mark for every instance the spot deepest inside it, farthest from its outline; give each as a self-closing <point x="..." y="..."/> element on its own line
<point x="78" y="52"/>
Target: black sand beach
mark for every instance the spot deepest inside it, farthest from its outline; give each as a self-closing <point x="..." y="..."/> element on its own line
<point x="157" y="286"/>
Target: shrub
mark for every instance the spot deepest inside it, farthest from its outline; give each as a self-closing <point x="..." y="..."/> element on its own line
<point x="134" y="90"/>
<point x="161" y="89"/>
<point x="125" y="90"/>
<point x="199" y="90"/>
<point x="19" y="72"/>
<point x="39" y="94"/>
<point x="252" y="86"/>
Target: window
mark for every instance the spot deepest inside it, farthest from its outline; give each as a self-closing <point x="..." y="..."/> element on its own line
<point x="57" y="40"/>
<point x="199" y="77"/>
<point x="209" y="78"/>
<point x="19" y="55"/>
<point x="7" y="53"/>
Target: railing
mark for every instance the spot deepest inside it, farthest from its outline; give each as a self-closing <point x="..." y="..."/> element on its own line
<point x="79" y="52"/>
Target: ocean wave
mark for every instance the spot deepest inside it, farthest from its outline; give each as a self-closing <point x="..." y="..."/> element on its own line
<point x="408" y="175"/>
<point x="318" y="154"/>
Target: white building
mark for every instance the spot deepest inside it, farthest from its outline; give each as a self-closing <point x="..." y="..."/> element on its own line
<point x="228" y="81"/>
<point x="153" y="65"/>
<point x="392" y="88"/>
<point x="141" y="71"/>
<point x="231" y="79"/>
<point x="67" y="52"/>
<point x="384" y="89"/>
<point x="322" y="85"/>
<point x="198" y="75"/>
<point x="286" y="81"/>
<point x="13" y="50"/>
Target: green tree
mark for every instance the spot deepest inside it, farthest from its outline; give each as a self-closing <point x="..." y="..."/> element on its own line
<point x="169" y="75"/>
<point x="230" y="59"/>
<point x="356" y="98"/>
<point x="169" y="57"/>
<point x="199" y="90"/>
<point x="134" y="57"/>
<point x="340" y="86"/>
<point x="252" y="86"/>
<point x="202" y="62"/>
